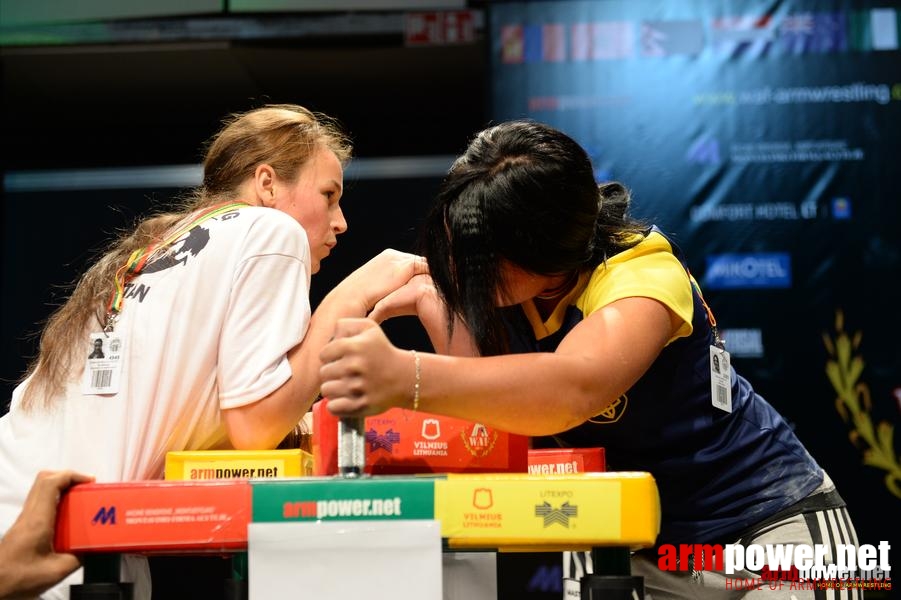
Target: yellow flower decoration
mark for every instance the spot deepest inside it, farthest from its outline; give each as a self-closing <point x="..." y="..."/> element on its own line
<point x="853" y="404"/>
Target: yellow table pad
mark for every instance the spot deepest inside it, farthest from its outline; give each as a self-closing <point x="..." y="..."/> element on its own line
<point x="565" y="512"/>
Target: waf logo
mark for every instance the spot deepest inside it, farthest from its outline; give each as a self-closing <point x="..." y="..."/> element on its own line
<point x="105" y="516"/>
<point x="553" y="515"/>
<point x="613" y="412"/>
<point x="384" y="441"/>
<point x="479" y="442"/>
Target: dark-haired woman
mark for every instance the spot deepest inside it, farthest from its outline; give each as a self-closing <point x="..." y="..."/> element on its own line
<point x="556" y="315"/>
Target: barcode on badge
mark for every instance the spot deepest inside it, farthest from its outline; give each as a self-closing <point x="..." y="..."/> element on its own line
<point x="101" y="379"/>
<point x="721" y="397"/>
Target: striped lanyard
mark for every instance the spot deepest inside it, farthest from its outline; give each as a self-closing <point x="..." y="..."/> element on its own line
<point x="710" y="318"/>
<point x="138" y="259"/>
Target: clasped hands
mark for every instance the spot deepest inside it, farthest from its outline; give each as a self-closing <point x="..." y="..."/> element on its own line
<point x="362" y="372"/>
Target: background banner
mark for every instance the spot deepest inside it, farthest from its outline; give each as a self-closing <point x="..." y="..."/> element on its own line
<point x="766" y="137"/>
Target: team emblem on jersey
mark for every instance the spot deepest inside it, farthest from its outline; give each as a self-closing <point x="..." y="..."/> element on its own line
<point x="612" y="413"/>
<point x="180" y="251"/>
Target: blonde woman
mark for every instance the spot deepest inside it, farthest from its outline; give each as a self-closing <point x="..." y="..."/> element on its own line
<point x="205" y="318"/>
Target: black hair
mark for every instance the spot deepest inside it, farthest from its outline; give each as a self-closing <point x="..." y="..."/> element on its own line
<point x="523" y="192"/>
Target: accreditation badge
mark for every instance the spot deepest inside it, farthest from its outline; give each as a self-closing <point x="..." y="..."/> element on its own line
<point x="103" y="364"/>
<point x="720" y="379"/>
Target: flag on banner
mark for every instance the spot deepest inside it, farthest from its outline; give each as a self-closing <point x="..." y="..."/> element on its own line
<point x="813" y="33"/>
<point x="841" y="208"/>
<point x="512" y="51"/>
<point x="751" y="35"/>
<point x="553" y="43"/>
<point x="884" y="25"/>
<point x="667" y="38"/>
<point x="874" y="29"/>
<point x="608" y="40"/>
<point x="532" y="45"/>
<point x="580" y="40"/>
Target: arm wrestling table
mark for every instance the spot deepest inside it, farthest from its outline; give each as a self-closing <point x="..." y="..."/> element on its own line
<point x="608" y="514"/>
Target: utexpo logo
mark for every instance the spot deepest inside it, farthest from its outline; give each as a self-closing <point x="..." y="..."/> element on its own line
<point x="382" y="441"/>
<point x="559" y="516"/>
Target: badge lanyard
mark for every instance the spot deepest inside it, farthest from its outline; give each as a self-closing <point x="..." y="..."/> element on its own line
<point x="103" y="366"/>
<point x="138" y="259"/>
<point x="720" y="369"/>
<point x="717" y="340"/>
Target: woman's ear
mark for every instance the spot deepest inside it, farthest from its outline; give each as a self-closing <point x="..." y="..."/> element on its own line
<point x="264" y="185"/>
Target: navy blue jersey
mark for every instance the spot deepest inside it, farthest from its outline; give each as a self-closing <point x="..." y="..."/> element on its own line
<point x="717" y="472"/>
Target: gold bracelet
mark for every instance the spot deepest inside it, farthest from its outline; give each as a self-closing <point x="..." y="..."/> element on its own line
<point x="417" y="381"/>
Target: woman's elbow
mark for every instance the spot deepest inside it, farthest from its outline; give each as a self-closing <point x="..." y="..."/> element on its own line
<point x="250" y="434"/>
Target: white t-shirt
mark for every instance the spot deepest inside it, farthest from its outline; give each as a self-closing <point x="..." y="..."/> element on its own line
<point x="205" y="326"/>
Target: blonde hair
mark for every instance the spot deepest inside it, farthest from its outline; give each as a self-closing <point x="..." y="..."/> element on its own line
<point x="283" y="136"/>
